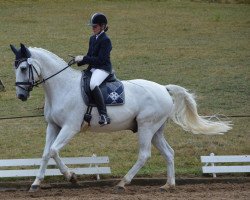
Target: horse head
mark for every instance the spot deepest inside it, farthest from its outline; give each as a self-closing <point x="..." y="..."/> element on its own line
<point x="26" y="73"/>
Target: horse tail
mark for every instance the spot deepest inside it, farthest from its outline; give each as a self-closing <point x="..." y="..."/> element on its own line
<point x="185" y="114"/>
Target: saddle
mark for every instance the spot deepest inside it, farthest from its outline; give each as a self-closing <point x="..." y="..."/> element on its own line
<point x="112" y="91"/>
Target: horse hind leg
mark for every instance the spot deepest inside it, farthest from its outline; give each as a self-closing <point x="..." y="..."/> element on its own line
<point x="162" y="145"/>
<point x="145" y="137"/>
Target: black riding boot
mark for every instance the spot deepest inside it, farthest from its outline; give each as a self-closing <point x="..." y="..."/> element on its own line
<point x="101" y="107"/>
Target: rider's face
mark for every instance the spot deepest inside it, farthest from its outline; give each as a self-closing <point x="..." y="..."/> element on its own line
<point x="96" y="29"/>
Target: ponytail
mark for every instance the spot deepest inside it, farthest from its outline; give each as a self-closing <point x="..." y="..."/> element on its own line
<point x="106" y="28"/>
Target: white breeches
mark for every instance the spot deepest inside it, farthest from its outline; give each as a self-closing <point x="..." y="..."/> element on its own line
<point x="98" y="76"/>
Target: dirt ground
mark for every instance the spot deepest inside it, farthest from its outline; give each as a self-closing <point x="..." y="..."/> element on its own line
<point x="215" y="191"/>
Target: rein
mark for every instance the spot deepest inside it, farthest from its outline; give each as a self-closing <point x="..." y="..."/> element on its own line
<point x="34" y="83"/>
<point x="71" y="62"/>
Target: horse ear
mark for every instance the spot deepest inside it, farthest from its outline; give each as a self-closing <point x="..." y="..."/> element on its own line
<point x="25" y="51"/>
<point x="13" y="49"/>
<point x="22" y="45"/>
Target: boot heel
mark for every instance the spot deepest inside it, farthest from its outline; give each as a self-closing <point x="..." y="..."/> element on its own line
<point x="104" y="120"/>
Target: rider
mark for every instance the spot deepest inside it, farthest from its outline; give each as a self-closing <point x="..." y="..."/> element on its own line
<point x="98" y="58"/>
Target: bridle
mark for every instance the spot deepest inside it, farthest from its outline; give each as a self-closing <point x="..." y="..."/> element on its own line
<point x="31" y="81"/>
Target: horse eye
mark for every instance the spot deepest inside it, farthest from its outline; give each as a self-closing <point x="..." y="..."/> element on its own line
<point x="23" y="69"/>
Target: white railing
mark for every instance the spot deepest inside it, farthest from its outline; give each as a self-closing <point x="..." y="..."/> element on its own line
<point x="21" y="165"/>
<point x="211" y="162"/>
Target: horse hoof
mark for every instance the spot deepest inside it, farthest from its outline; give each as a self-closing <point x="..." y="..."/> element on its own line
<point x="34" y="188"/>
<point x="73" y="178"/>
<point x="119" y="189"/>
<point x="166" y="188"/>
<point x="162" y="189"/>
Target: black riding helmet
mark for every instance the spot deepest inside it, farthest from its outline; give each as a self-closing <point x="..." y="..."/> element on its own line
<point x="100" y="19"/>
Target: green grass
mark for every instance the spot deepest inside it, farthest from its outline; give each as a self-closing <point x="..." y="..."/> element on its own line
<point x="201" y="46"/>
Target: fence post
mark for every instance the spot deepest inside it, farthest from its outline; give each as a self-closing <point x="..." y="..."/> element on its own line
<point x="96" y="165"/>
<point x="214" y="174"/>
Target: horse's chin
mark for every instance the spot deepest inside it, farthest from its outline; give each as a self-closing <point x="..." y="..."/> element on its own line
<point x="24" y="99"/>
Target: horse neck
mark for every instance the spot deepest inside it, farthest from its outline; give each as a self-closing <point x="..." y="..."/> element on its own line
<point x="64" y="81"/>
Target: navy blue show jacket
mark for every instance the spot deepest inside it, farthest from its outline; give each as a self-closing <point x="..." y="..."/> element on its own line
<point x="98" y="55"/>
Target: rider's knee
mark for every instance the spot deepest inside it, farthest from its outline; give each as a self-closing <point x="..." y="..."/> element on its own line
<point x="92" y="85"/>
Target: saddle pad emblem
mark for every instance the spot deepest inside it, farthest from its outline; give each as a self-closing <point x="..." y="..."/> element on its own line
<point x="115" y="93"/>
<point x="114" y="96"/>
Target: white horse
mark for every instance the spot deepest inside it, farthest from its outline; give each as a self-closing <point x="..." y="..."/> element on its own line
<point x="147" y="107"/>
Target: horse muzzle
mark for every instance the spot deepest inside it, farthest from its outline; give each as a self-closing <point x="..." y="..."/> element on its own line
<point x="22" y="97"/>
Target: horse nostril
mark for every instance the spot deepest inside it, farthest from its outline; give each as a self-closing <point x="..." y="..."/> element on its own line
<point x="22" y="97"/>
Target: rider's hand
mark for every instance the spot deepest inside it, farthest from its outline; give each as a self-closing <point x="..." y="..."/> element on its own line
<point x="78" y="59"/>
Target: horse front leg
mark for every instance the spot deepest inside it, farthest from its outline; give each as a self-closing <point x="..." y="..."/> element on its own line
<point x="51" y="134"/>
<point x="70" y="176"/>
<point x="62" y="139"/>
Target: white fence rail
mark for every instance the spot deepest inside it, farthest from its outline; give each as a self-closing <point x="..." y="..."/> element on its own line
<point x="21" y="165"/>
<point x="211" y="160"/>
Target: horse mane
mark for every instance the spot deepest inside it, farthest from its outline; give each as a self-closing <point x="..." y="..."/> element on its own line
<point x="48" y="53"/>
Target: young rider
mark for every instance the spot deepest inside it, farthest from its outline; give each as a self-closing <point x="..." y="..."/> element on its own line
<point x="98" y="58"/>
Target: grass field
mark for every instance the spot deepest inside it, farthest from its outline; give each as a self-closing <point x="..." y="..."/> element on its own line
<point x="199" y="45"/>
